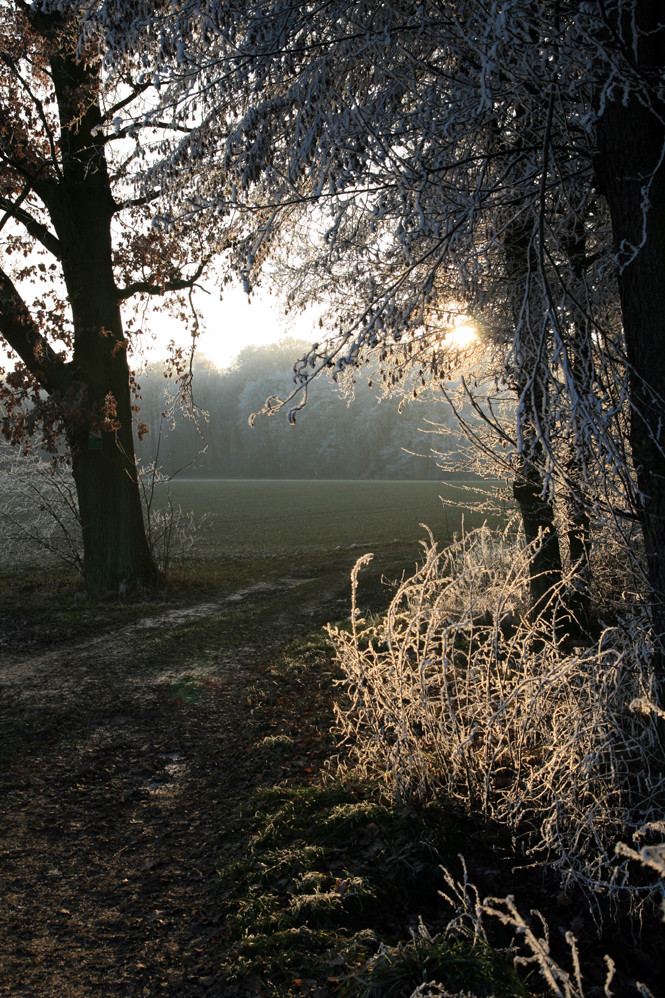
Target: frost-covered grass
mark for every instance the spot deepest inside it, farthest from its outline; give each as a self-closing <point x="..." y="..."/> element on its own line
<point x="329" y="873"/>
<point x="455" y="693"/>
<point x="40" y="522"/>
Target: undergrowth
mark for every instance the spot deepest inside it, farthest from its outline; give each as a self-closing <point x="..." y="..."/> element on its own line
<point x="458" y="694"/>
<point x="462" y="715"/>
<point x="40" y="522"/>
<point x="332" y="881"/>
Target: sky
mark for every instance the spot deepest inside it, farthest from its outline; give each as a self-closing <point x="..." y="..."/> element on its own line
<point x="237" y="322"/>
<point x="230" y="325"/>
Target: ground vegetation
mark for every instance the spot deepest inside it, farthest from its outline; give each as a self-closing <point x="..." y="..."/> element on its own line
<point x="174" y="822"/>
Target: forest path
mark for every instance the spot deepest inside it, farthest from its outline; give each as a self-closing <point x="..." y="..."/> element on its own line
<point x="125" y="755"/>
<point x="112" y="646"/>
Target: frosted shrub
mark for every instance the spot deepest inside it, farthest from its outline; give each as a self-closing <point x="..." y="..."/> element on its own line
<point x="40" y="523"/>
<point x="170" y="529"/>
<point x="171" y="532"/>
<point x="39" y="519"/>
<point x="456" y="692"/>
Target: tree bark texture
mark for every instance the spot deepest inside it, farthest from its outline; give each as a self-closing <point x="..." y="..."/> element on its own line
<point x="631" y="175"/>
<point x="529" y="489"/>
<point x="99" y="429"/>
<point x="539" y="528"/>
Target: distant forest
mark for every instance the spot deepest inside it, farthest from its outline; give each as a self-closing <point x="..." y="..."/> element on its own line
<point x="354" y="434"/>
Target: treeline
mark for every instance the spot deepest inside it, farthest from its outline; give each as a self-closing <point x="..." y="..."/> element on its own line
<point x="334" y="437"/>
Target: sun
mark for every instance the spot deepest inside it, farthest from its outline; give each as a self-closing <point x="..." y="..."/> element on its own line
<point x="462" y="336"/>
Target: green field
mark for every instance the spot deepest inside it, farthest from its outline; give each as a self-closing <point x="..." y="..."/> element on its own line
<point x="260" y="517"/>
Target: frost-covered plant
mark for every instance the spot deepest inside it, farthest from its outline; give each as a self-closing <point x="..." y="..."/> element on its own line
<point x="453" y="958"/>
<point x="458" y="691"/>
<point x="40" y="521"/>
<point x="530" y="947"/>
<point x="472" y="925"/>
<point x="39" y="517"/>
<point x="170" y="530"/>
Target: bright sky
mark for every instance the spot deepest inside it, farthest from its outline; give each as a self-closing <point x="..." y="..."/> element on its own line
<point x="236" y="322"/>
<point x="230" y="325"/>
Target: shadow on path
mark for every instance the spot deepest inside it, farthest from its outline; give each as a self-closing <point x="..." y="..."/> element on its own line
<point x="124" y="758"/>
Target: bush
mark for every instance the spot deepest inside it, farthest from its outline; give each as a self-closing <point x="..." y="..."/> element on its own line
<point x="39" y="520"/>
<point x="457" y="692"/>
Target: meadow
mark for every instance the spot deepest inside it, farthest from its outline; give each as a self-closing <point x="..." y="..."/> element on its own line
<point x="277" y="517"/>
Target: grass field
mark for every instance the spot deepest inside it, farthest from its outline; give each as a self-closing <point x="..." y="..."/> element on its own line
<point x="275" y="517"/>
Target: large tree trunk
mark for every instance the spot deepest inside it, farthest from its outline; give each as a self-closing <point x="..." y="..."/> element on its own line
<point x="99" y="429"/>
<point x="115" y="551"/>
<point x="115" y="548"/>
<point x="631" y="174"/>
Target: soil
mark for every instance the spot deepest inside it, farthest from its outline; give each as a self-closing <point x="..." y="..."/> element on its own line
<point x="126" y="755"/>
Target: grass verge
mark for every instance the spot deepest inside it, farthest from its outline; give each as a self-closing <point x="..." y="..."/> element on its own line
<point x="332" y="893"/>
<point x="327" y="886"/>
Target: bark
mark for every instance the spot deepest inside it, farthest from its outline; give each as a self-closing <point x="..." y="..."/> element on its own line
<point x="99" y="429"/>
<point x="630" y="171"/>
<point x="115" y="549"/>
<point x="529" y="490"/>
<point x="576" y="508"/>
<point x="538" y="520"/>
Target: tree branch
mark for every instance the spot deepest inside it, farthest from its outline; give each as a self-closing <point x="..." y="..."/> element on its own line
<point x="22" y="334"/>
<point x="122" y="133"/>
<point x="136" y="92"/>
<point x="135" y="202"/>
<point x="150" y="288"/>
<point x="40" y="111"/>
<point x="16" y="205"/>
<point x="34" y="228"/>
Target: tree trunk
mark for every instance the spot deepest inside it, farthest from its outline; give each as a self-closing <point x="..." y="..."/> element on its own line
<point x="116" y="551"/>
<point x="631" y="174"/>
<point x="528" y="486"/>
<point x="538" y="521"/>
<point x="99" y="429"/>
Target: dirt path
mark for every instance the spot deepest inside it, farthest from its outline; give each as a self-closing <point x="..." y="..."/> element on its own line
<point x="126" y="755"/>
